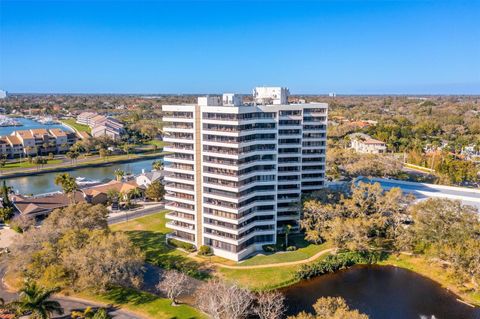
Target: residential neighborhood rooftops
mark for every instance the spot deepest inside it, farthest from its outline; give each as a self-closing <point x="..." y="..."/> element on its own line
<point x="122" y="187"/>
<point x="33" y="206"/>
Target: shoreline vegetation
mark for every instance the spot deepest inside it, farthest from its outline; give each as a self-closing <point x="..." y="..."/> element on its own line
<point x="261" y="279"/>
<point x="148" y="233"/>
<point x="98" y="162"/>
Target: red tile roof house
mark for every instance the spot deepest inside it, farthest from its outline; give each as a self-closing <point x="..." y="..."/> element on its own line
<point x="99" y="194"/>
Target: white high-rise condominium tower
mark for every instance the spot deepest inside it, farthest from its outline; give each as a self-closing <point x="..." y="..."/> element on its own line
<point x="237" y="170"/>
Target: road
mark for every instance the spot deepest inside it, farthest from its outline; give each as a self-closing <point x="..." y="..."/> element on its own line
<point x="129" y="215"/>
<point x="467" y="196"/>
<point x="68" y="304"/>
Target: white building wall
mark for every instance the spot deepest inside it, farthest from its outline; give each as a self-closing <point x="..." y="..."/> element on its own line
<point x="236" y="154"/>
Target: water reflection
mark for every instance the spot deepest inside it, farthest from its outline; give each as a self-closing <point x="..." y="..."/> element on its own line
<point x="381" y="292"/>
<point x="44" y="183"/>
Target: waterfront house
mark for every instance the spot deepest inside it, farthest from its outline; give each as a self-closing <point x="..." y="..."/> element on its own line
<point x="99" y="194"/>
<point x="145" y="179"/>
<point x="40" y="206"/>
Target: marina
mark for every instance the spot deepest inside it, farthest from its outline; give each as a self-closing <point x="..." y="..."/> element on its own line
<point x="23" y="123"/>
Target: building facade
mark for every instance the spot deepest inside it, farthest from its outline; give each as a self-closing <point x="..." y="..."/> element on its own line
<point x="363" y="143"/>
<point x="237" y="171"/>
<point x="101" y="125"/>
<point x="36" y="142"/>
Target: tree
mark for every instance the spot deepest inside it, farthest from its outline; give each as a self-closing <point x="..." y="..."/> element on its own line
<point x="135" y="193"/>
<point x="224" y="301"/>
<point x="3" y="162"/>
<point x="101" y="314"/>
<point x="157" y="165"/>
<point x="447" y="230"/>
<point x="331" y="308"/>
<point x="103" y="153"/>
<point x="119" y="174"/>
<point x="5" y="194"/>
<point x="68" y="184"/>
<point x="34" y="300"/>
<point x="269" y="305"/>
<point x="127" y="148"/>
<point x="365" y="218"/>
<point x="78" y="216"/>
<point x="155" y="191"/>
<point x="103" y="260"/>
<point x="286" y="230"/>
<point x="6" y="213"/>
<point x="173" y="283"/>
<point x="113" y="196"/>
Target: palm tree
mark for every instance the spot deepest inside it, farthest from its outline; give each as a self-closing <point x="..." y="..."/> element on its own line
<point x="68" y="184"/>
<point x="126" y="148"/>
<point x="135" y="193"/>
<point x="287" y="229"/>
<point x="119" y="173"/>
<point x="34" y="301"/>
<point x="157" y="165"/>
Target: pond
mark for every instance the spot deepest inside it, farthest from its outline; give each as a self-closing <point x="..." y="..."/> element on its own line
<point x="382" y="292"/>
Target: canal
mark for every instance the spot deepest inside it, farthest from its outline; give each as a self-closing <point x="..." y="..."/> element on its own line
<point x="382" y="292"/>
<point x="44" y="183"/>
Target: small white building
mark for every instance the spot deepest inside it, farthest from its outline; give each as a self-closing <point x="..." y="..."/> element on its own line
<point x="363" y="143"/>
<point x="148" y="178"/>
<point x="3" y="94"/>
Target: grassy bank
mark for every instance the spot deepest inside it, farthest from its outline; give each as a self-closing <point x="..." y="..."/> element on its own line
<point x="143" y="303"/>
<point x="26" y="164"/>
<point x="87" y="163"/>
<point x="436" y="272"/>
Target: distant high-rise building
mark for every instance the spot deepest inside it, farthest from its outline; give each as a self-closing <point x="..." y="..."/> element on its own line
<point x="3" y="94"/>
<point x="237" y="171"/>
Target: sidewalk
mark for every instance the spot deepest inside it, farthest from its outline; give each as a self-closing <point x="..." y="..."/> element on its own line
<point x="126" y="215"/>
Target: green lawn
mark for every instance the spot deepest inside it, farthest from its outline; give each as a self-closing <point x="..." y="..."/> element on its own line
<point x="145" y="303"/>
<point x="149" y="233"/>
<point x="158" y="143"/>
<point x="79" y="127"/>
<point x="305" y="250"/>
<point x="26" y="164"/>
<point x="261" y="278"/>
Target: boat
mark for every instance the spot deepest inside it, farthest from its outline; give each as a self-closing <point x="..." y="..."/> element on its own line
<point x="83" y="181"/>
<point x="6" y="121"/>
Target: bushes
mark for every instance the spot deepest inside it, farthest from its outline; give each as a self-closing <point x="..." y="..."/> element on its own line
<point x="291" y="248"/>
<point x="269" y="248"/>
<point x="180" y="244"/>
<point x="205" y="251"/>
<point x="339" y="261"/>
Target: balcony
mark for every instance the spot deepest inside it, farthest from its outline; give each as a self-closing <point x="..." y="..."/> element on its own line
<point x="181" y="226"/>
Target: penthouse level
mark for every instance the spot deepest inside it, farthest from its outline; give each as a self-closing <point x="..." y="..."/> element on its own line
<point x="237" y="170"/>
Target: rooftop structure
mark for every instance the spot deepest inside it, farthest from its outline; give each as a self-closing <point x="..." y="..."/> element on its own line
<point x="237" y="171"/>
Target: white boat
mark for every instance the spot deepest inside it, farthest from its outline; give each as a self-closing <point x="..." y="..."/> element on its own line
<point x="83" y="181"/>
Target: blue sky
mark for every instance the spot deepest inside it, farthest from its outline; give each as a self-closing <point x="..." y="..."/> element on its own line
<point x="348" y="47"/>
